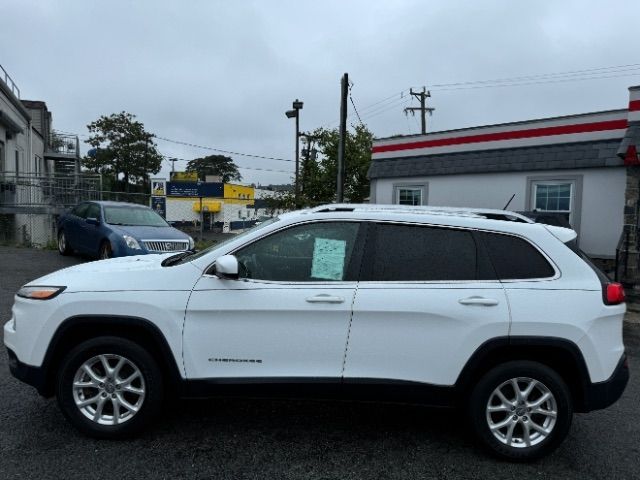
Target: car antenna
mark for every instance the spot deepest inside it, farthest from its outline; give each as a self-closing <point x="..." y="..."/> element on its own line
<point x="512" y="197"/>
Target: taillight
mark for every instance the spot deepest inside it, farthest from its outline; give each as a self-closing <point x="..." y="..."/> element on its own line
<point x="614" y="293"/>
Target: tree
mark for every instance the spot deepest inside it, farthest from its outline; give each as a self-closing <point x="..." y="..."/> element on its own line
<point x="318" y="177"/>
<point x="122" y="148"/>
<point x="218" y="165"/>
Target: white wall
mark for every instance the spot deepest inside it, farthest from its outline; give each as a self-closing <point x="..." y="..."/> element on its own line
<point x="602" y="206"/>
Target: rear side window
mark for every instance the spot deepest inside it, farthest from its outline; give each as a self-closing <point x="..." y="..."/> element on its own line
<point x="420" y="253"/>
<point x="515" y="258"/>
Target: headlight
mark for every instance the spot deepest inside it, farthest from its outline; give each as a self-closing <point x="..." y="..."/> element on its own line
<point x="192" y="244"/>
<point x="39" y="293"/>
<point x="131" y="242"/>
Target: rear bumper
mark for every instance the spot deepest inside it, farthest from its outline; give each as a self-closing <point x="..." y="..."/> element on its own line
<point x="603" y="394"/>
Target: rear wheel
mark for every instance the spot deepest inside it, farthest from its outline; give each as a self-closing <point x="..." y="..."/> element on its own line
<point x="63" y="245"/>
<point x="105" y="250"/>
<point x="521" y="410"/>
<point x="109" y="387"/>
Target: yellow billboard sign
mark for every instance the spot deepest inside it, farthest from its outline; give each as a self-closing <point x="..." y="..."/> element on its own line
<point x="184" y="176"/>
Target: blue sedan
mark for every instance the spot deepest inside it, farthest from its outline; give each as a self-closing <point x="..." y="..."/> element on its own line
<point x="117" y="229"/>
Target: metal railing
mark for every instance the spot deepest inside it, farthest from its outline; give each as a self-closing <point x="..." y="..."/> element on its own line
<point x="9" y="82"/>
<point x="64" y="144"/>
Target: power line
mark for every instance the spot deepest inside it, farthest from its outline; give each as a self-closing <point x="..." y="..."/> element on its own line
<point x="521" y="84"/>
<point x="570" y="73"/>
<point x="204" y="147"/>
<point x="615" y="71"/>
<point x="354" y="105"/>
<point x="169" y="158"/>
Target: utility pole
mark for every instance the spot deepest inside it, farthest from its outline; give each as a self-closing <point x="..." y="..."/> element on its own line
<point x="422" y="96"/>
<point x="295" y="113"/>
<point x="343" y="137"/>
<point x="173" y="164"/>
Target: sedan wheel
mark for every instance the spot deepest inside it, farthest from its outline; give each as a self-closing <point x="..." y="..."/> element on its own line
<point x="521" y="410"/>
<point x="63" y="246"/>
<point x="105" y="250"/>
<point x="109" y="387"/>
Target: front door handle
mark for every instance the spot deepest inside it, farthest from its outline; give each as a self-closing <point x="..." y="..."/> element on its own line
<point x="324" y="298"/>
<point x="487" y="302"/>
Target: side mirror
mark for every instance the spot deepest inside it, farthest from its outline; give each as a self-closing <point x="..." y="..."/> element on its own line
<point x="93" y="221"/>
<point x="226" y="267"/>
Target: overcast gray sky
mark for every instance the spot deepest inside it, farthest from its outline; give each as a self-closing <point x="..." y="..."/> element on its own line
<point x="222" y="73"/>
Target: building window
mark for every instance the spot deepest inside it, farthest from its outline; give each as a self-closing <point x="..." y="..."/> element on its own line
<point x="553" y="197"/>
<point x="17" y="162"/>
<point x="556" y="196"/>
<point x="38" y="165"/>
<point x="2" y="164"/>
<point x="410" y="194"/>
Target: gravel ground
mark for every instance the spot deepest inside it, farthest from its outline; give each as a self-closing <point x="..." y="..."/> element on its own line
<point x="290" y="439"/>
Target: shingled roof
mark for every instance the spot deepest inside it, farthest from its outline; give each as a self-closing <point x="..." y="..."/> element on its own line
<point x="549" y="157"/>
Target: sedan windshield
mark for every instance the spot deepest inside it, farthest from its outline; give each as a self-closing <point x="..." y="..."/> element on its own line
<point x="143" y="217"/>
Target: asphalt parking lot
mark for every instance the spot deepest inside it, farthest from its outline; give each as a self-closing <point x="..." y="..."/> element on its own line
<point x="240" y="439"/>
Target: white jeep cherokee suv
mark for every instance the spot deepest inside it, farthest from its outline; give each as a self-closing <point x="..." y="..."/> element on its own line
<point x="477" y="309"/>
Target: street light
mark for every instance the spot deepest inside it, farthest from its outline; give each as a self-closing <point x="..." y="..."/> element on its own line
<point x="295" y="113"/>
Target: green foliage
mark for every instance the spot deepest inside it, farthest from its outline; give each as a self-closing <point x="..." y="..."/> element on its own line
<point x="318" y="178"/>
<point x="124" y="148"/>
<point x="219" y="165"/>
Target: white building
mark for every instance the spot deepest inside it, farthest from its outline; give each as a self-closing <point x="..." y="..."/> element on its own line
<point x="582" y="167"/>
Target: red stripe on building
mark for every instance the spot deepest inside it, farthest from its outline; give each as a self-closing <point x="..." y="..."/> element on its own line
<point x="512" y="135"/>
<point x="634" y="105"/>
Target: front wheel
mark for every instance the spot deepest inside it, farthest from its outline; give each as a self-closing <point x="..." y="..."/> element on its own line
<point x="109" y="387"/>
<point x="106" y="251"/>
<point x="521" y="410"/>
<point x="63" y="244"/>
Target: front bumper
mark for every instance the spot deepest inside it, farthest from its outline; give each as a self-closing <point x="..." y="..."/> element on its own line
<point x="33" y="376"/>
<point x="603" y="394"/>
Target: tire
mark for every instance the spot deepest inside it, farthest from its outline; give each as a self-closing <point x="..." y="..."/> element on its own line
<point x="105" y="251"/>
<point x="63" y="244"/>
<point x="133" y="388"/>
<point x="514" y="415"/>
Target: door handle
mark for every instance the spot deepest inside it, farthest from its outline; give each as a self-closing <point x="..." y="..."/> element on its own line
<point x="487" y="302"/>
<point x="324" y="298"/>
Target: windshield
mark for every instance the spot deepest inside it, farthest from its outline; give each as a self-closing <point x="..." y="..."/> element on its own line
<point x="144" y="217"/>
<point x="201" y="253"/>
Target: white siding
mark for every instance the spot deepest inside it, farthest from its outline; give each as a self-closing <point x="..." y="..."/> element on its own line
<point x="602" y="205"/>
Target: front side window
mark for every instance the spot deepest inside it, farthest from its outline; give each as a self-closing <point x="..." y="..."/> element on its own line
<point x="305" y="253"/>
<point x="420" y="253"/>
<point x="93" y="211"/>
<point x="81" y="210"/>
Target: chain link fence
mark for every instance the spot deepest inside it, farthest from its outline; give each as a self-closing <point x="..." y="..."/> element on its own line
<point x="31" y="204"/>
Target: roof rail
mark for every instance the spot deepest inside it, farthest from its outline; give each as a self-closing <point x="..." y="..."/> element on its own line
<point x="492" y="214"/>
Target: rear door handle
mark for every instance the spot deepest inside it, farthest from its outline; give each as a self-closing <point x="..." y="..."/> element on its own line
<point x="487" y="302"/>
<point x="324" y="298"/>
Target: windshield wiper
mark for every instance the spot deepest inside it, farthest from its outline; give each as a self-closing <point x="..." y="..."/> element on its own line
<point x="167" y="262"/>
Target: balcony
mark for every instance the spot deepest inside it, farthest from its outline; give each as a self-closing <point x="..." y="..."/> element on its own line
<point x="64" y="149"/>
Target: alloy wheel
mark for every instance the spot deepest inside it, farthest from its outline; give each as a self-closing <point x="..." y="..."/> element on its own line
<point x="521" y="412"/>
<point x="109" y="389"/>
